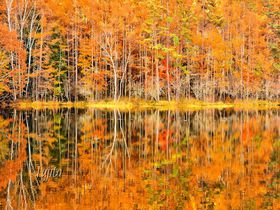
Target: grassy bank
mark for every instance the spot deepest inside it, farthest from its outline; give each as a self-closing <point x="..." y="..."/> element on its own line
<point x="134" y="104"/>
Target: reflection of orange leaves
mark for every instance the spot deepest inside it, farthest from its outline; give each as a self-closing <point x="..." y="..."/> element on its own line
<point x="241" y="165"/>
<point x="247" y="133"/>
<point x="165" y="138"/>
<point x="39" y="157"/>
<point x="221" y="167"/>
<point x="94" y="129"/>
<point x="11" y="168"/>
<point x="4" y="123"/>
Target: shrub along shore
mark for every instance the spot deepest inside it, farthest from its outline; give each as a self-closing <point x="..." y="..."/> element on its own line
<point x="135" y="104"/>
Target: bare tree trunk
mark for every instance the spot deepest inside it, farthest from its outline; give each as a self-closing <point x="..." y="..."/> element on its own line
<point x="30" y="46"/>
<point x="157" y="79"/>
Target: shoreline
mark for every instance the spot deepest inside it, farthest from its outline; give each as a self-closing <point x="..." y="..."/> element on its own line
<point x="134" y="104"/>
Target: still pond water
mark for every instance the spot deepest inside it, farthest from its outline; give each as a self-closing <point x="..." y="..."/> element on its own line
<point x="96" y="159"/>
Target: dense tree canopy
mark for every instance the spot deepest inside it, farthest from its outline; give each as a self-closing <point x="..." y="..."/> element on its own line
<point x="152" y="49"/>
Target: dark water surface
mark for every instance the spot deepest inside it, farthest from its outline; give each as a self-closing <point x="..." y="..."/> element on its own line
<point x="93" y="159"/>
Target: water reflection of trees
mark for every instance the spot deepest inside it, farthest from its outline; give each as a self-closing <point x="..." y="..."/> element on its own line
<point x="123" y="160"/>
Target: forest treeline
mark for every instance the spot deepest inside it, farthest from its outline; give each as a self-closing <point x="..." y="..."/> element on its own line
<point x="69" y="50"/>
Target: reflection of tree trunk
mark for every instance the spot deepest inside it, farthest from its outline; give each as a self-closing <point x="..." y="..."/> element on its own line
<point x="40" y="141"/>
<point x="12" y="142"/>
<point x="23" y="189"/>
<point x="123" y="135"/>
<point x="157" y="133"/>
<point x="108" y="159"/>
<point x="8" y="200"/>
<point x="76" y="144"/>
<point x="123" y="153"/>
<point x="241" y="141"/>
<point x="177" y="139"/>
<point x="109" y="156"/>
<point x="167" y="134"/>
<point x="129" y="128"/>
<point x="68" y="138"/>
<point x="30" y="164"/>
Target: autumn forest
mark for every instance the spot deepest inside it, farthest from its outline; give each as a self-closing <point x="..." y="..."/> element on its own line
<point x="140" y="104"/>
<point x="86" y="50"/>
